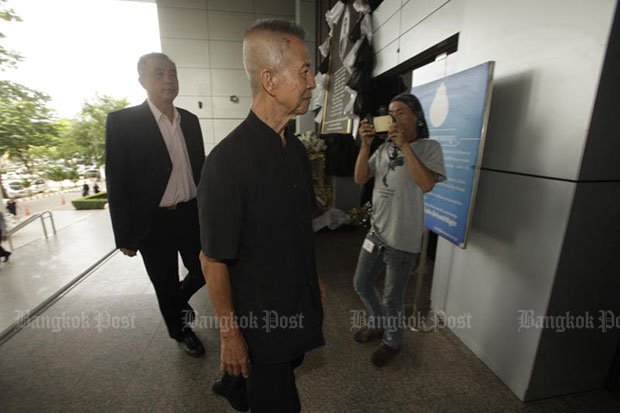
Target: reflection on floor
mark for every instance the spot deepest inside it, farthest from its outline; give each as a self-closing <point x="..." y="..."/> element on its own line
<point x="92" y="363"/>
<point x="39" y="266"/>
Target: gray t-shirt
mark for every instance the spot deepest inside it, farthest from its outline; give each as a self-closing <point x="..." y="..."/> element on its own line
<point x="397" y="201"/>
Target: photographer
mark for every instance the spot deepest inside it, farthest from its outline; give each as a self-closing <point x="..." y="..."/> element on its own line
<point x="405" y="166"/>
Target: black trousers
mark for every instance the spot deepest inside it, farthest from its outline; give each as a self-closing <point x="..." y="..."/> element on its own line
<point x="270" y="388"/>
<point x="174" y="231"/>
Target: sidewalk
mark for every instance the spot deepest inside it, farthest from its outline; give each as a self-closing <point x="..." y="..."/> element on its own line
<point x="40" y="267"/>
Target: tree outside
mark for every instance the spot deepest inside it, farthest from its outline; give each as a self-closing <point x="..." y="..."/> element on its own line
<point x="25" y="122"/>
<point x="8" y="58"/>
<point x="87" y="133"/>
<point x="30" y="133"/>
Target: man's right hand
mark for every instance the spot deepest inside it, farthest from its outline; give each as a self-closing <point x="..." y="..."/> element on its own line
<point x="128" y="252"/>
<point x="367" y="132"/>
<point x="234" y="354"/>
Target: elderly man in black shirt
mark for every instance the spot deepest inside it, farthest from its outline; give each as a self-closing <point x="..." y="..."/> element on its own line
<point x="255" y="204"/>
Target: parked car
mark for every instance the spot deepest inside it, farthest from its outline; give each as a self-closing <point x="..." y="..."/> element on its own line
<point x="91" y="173"/>
<point x="38" y="185"/>
<point x="17" y="189"/>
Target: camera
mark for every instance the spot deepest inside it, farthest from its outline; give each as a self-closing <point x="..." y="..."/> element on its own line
<point x="381" y="123"/>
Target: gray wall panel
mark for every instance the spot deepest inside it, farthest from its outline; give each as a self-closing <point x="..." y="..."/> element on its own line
<point x="204" y="38"/>
<point x="602" y="151"/>
<point x="549" y="56"/>
<point x="547" y="47"/>
<point x="509" y="265"/>
<point x="558" y="55"/>
<point x="587" y="281"/>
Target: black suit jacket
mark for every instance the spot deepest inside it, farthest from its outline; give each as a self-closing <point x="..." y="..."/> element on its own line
<point x="138" y="168"/>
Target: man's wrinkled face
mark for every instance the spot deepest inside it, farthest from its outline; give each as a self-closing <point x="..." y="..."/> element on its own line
<point x="159" y="79"/>
<point x="295" y="80"/>
<point x="405" y="118"/>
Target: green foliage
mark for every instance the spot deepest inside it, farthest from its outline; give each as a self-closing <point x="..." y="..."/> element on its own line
<point x="25" y="121"/>
<point x="59" y="173"/>
<point x="29" y="130"/>
<point x="66" y="149"/>
<point x="45" y="154"/>
<point x="96" y="201"/>
<point x="8" y="58"/>
<point x="86" y="136"/>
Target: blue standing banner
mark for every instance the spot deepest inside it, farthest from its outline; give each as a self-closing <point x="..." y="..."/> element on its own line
<point x="457" y="110"/>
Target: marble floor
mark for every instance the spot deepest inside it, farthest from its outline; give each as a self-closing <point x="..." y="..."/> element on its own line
<point x="39" y="266"/>
<point x="102" y="346"/>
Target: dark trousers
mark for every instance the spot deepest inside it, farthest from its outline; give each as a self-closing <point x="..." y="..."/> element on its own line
<point x="270" y="388"/>
<point x="174" y="231"/>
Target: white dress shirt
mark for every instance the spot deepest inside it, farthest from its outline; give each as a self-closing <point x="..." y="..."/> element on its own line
<point x="181" y="186"/>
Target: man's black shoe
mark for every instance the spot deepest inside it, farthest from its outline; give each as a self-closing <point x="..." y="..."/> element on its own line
<point x="191" y="344"/>
<point x="237" y="397"/>
<point x="6" y="256"/>
<point x="383" y="354"/>
<point x="365" y="334"/>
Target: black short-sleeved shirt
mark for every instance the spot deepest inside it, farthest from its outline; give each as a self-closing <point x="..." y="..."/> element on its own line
<point x="255" y="201"/>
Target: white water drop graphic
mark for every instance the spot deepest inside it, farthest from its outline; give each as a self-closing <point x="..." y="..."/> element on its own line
<point x="440" y="107"/>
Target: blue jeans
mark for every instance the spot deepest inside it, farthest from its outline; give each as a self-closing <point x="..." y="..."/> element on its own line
<point x="389" y="315"/>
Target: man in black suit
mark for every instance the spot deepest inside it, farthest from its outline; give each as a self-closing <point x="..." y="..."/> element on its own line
<point x="154" y="155"/>
<point x="255" y="204"/>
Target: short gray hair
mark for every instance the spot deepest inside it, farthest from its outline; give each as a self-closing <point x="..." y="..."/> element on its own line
<point x="145" y="58"/>
<point x="277" y="26"/>
<point x="265" y="42"/>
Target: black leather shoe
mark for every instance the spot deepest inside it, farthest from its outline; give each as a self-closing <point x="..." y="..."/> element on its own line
<point x="366" y="335"/>
<point x="191" y="344"/>
<point x="383" y="354"/>
<point x="235" y="393"/>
